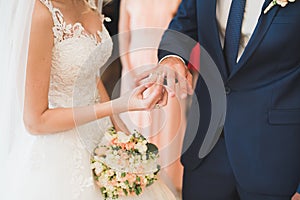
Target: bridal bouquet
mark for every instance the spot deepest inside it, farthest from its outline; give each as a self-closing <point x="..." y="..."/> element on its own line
<point x="125" y="165"/>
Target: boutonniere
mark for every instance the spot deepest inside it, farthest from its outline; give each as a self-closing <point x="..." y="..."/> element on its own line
<point x="282" y="3"/>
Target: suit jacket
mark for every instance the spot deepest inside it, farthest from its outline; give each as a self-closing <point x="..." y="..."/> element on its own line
<point x="262" y="127"/>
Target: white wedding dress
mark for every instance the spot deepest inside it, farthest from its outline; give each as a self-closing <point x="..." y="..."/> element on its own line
<point x="57" y="166"/>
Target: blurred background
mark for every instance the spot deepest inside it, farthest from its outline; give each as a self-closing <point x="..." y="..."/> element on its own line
<point x="163" y="126"/>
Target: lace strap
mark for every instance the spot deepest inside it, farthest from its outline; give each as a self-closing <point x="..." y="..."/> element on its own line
<point x="56" y="14"/>
<point x="57" y="18"/>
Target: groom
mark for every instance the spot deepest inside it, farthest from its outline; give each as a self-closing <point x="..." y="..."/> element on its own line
<point x="258" y="56"/>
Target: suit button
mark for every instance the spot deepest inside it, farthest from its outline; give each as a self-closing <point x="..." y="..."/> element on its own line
<point x="227" y="90"/>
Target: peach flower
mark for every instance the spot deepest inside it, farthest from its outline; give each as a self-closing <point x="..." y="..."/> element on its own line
<point x="282" y="3"/>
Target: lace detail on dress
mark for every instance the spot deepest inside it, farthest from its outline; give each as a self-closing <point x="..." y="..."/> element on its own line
<point x="63" y="31"/>
<point x="76" y="60"/>
<point x="77" y="57"/>
<point x="57" y="17"/>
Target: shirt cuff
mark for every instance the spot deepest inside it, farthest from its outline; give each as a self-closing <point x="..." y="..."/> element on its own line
<point x="172" y="56"/>
<point x="298" y="189"/>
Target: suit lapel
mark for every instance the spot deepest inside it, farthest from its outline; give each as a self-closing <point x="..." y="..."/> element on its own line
<point x="260" y="30"/>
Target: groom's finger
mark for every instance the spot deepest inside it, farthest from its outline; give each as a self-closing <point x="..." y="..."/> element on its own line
<point x="183" y="86"/>
<point x="171" y="82"/>
<point x="144" y="76"/>
<point x="149" y="79"/>
<point x="182" y="73"/>
<point x="160" y="78"/>
<point x="160" y="82"/>
<point x="189" y="78"/>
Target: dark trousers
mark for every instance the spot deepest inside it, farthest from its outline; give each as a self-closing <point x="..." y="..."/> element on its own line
<point x="213" y="179"/>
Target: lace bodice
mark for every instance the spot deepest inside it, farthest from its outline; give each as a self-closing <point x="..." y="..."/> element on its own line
<point x="76" y="58"/>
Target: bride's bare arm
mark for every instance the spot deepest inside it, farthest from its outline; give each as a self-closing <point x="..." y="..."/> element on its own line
<point x="38" y="117"/>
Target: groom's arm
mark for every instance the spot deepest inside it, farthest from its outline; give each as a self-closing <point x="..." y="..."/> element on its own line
<point x="176" y="46"/>
<point x="181" y="36"/>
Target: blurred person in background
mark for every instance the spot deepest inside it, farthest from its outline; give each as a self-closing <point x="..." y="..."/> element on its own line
<point x="140" y="23"/>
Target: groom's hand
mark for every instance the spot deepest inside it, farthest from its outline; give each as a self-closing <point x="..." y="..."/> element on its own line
<point x="177" y="70"/>
<point x="174" y="71"/>
<point x="296" y="196"/>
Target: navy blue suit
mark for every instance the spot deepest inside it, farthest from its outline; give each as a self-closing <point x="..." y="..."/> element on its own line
<point x="259" y="156"/>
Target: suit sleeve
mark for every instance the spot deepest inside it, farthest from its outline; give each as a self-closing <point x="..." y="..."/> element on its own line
<point x="180" y="38"/>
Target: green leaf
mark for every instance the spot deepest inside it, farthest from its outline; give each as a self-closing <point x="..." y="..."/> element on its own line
<point x="158" y="169"/>
<point x="150" y="182"/>
<point x="138" y="190"/>
<point x="138" y="179"/>
<point x="102" y="190"/>
<point x="152" y="148"/>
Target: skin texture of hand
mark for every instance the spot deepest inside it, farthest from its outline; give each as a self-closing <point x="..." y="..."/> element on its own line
<point x="137" y="101"/>
<point x="175" y="72"/>
<point x="296" y="196"/>
<point x="150" y="95"/>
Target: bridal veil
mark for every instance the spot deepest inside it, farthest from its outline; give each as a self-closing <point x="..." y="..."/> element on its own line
<point x="15" y="24"/>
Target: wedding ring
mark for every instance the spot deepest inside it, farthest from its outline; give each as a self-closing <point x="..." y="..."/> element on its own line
<point x="157" y="106"/>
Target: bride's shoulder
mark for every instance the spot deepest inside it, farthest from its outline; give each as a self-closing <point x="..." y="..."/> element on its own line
<point x="41" y="15"/>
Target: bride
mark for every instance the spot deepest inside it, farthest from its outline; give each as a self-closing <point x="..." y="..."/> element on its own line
<point x="56" y="109"/>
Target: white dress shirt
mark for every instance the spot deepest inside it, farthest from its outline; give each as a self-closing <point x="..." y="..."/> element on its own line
<point x="253" y="9"/>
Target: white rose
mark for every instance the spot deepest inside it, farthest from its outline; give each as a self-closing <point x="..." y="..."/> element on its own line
<point x="103" y="180"/>
<point x="145" y="142"/>
<point x="98" y="168"/>
<point x="144" y="157"/>
<point x="98" y="171"/>
<point x="122" y="137"/>
<point x="145" y="181"/>
<point x="282" y="3"/>
<point x="123" y="185"/>
<point x="110" y="172"/>
<point x="115" y="152"/>
<point x="131" y="160"/>
<point x="142" y="148"/>
<point x="118" y="175"/>
<point x="110" y="194"/>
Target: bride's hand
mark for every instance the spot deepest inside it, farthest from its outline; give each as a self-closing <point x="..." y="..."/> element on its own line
<point x="144" y="97"/>
<point x="147" y="97"/>
<point x="156" y="97"/>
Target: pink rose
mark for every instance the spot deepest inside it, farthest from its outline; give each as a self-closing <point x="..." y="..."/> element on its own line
<point x="129" y="145"/>
<point x="131" y="177"/>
